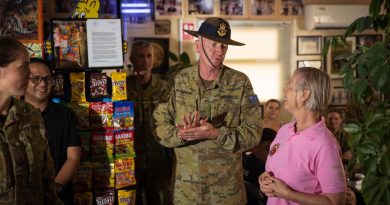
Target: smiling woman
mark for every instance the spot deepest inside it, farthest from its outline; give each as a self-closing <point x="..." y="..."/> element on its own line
<point x="32" y="170"/>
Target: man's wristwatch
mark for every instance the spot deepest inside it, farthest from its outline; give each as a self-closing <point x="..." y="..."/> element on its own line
<point x="59" y="187"/>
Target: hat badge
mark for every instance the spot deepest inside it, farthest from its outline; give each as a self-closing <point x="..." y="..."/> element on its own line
<point x="221" y="30"/>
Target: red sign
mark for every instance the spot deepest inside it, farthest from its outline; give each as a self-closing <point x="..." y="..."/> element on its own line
<point x="188" y="26"/>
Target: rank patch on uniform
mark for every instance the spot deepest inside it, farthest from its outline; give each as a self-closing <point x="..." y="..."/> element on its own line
<point x="253" y="99"/>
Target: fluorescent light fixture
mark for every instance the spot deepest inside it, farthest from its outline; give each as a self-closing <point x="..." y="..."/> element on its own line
<point x="136" y="11"/>
<point x="134" y="5"/>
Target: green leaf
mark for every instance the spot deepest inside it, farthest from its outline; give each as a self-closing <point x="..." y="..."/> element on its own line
<point x="375" y="7"/>
<point x="360" y="86"/>
<point x="326" y="47"/>
<point x="184" y="58"/>
<point x="360" y="24"/>
<point x="172" y="56"/>
<point x="352" y="128"/>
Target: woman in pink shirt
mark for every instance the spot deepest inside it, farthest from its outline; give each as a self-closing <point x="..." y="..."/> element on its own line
<point x="304" y="164"/>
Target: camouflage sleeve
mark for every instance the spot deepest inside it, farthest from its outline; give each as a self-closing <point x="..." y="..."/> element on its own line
<point x="248" y="133"/>
<point x="166" y="130"/>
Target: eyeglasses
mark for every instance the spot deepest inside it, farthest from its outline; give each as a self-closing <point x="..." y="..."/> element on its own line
<point x="38" y="79"/>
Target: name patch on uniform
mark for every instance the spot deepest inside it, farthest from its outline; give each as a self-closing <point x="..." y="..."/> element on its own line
<point x="228" y="97"/>
<point x="183" y="91"/>
<point x="274" y="149"/>
<point x="253" y="99"/>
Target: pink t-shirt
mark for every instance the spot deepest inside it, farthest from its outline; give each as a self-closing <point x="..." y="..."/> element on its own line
<point x="307" y="161"/>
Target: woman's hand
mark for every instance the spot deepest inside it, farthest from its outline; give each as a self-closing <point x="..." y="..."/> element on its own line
<point x="265" y="182"/>
<point x="280" y="189"/>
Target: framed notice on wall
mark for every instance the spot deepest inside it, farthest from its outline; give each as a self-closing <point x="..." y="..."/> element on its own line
<point x="87" y="43"/>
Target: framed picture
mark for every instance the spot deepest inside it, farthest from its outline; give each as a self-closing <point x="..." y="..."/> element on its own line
<point x="261" y="111"/>
<point x="231" y="7"/>
<point x="367" y="40"/>
<point x="75" y="47"/>
<point x="108" y="9"/>
<point x="339" y="96"/>
<point x="23" y="20"/>
<point x="200" y="7"/>
<point x="310" y="63"/>
<point x="161" y="53"/>
<point x="292" y="8"/>
<point x="262" y="7"/>
<point x="162" y="27"/>
<point x="168" y="7"/>
<point x="309" y="45"/>
<point x="333" y="65"/>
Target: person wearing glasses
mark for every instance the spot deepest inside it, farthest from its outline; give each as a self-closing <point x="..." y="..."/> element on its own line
<point x="26" y="167"/>
<point x="211" y="117"/>
<point x="61" y="126"/>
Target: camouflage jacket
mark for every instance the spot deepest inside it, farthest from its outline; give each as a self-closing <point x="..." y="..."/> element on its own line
<point x="149" y="153"/>
<point x="26" y="167"/>
<point x="210" y="171"/>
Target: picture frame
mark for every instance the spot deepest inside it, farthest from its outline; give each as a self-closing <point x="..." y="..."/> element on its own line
<point x="162" y="27"/>
<point x="292" y="8"/>
<point x="309" y="45"/>
<point x="76" y="48"/>
<point x="339" y="97"/>
<point x="161" y="53"/>
<point x="200" y="8"/>
<point x="108" y="9"/>
<point x="262" y="8"/>
<point x="170" y="8"/>
<point x="333" y="66"/>
<point x="261" y="111"/>
<point x="232" y="8"/>
<point x="367" y="40"/>
<point x="27" y="28"/>
<point x="310" y="63"/>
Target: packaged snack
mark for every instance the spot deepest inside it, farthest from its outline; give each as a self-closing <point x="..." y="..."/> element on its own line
<point x="85" y="145"/>
<point x="83" y="178"/>
<point x="77" y="82"/>
<point x="83" y="198"/>
<point x="58" y="85"/>
<point x="124" y="144"/>
<point x="100" y="116"/>
<point x="123" y="117"/>
<point x="98" y="85"/>
<point x="82" y="111"/>
<point x="102" y="146"/>
<point x="103" y="175"/>
<point x="105" y="197"/>
<point x="118" y="86"/>
<point x="124" y="173"/>
<point x="126" y="197"/>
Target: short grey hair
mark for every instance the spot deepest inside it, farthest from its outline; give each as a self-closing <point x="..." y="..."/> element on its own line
<point x="142" y="43"/>
<point x="320" y="86"/>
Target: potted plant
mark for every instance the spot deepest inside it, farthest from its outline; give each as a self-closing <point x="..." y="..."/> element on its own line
<point x="370" y="93"/>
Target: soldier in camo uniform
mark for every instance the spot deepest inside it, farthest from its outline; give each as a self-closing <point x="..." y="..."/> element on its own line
<point x="211" y="117"/>
<point x="153" y="163"/>
<point x="26" y="167"/>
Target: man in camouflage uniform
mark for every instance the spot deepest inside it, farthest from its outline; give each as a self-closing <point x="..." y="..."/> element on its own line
<point x="153" y="161"/>
<point x="211" y="117"/>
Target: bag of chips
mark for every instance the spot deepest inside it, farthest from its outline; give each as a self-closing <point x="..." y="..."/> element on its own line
<point x="104" y="197"/>
<point x="100" y="115"/>
<point x="123" y="117"/>
<point x="124" y="144"/>
<point x="102" y="146"/>
<point x="124" y="173"/>
<point x="126" y="197"/>
<point x="98" y="85"/>
<point x="118" y="86"/>
<point x="82" y="112"/>
<point x="77" y="82"/>
<point x="103" y="175"/>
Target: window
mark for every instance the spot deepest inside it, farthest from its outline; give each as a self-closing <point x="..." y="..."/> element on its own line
<point x="264" y="58"/>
